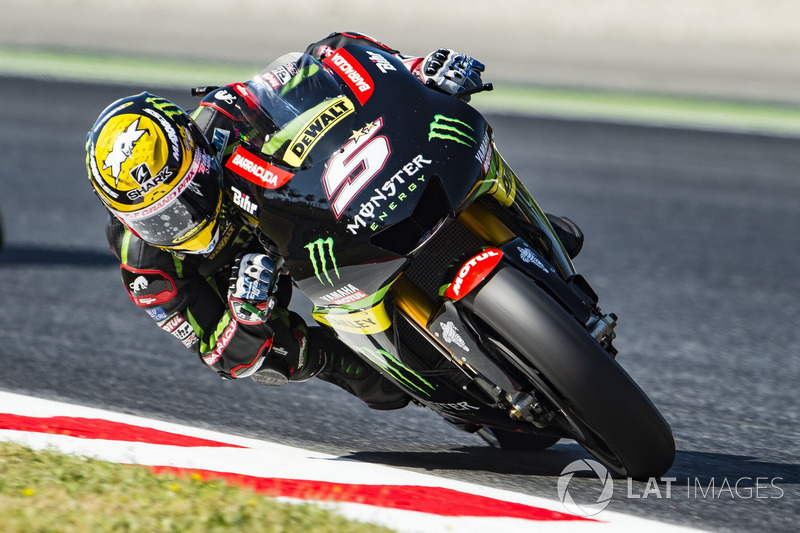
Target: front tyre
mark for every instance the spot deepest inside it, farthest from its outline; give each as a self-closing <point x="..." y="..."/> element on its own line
<point x="597" y="401"/>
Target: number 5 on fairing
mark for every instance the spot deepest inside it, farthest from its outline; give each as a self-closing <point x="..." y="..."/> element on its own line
<point x="354" y="166"/>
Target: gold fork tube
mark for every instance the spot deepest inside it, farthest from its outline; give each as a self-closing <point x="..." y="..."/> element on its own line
<point x="412" y="301"/>
<point x="485" y="225"/>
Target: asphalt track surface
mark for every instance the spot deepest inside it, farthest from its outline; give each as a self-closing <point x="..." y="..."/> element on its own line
<point x="691" y="239"/>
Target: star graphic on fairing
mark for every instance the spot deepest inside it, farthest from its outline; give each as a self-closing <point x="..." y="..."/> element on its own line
<point x="357" y="134"/>
<point x="123" y="148"/>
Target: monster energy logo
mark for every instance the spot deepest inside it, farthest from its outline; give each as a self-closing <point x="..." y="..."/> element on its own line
<point x="398" y="369"/>
<point x="318" y="251"/>
<point x="165" y="106"/>
<point x="451" y="129"/>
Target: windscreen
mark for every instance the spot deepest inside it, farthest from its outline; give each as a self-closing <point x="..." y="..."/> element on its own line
<point x="304" y="101"/>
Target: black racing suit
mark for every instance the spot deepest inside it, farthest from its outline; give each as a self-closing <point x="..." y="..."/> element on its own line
<point x="186" y="295"/>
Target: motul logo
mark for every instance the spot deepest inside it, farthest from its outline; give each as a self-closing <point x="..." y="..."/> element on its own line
<point x="473" y="272"/>
<point x="172" y="324"/>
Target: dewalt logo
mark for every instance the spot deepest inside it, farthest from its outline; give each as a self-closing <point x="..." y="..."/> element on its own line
<point x="313" y="130"/>
<point x="319" y="252"/>
<point x="451" y="129"/>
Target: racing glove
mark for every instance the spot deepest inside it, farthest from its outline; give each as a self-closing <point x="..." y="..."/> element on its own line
<point x="450" y="72"/>
<point x="253" y="282"/>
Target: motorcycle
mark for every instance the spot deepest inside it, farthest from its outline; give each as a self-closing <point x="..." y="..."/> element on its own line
<point x="421" y="248"/>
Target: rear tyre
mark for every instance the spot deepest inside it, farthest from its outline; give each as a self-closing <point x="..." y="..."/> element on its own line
<point x="598" y="404"/>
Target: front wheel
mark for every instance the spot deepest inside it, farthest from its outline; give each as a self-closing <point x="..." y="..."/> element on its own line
<point x="596" y="401"/>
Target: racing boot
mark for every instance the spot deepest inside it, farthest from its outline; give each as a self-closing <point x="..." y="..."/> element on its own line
<point x="289" y="359"/>
<point x="345" y="369"/>
<point x="299" y="353"/>
<point x="568" y="233"/>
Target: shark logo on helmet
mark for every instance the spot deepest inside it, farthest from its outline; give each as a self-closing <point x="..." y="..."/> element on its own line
<point x="123" y="148"/>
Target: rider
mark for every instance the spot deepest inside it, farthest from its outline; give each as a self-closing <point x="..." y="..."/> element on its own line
<point x="184" y="230"/>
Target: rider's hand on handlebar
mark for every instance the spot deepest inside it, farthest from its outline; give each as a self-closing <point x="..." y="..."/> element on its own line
<point x="250" y="292"/>
<point x="451" y="72"/>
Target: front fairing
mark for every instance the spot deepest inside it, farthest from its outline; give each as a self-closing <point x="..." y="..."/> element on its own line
<point x="363" y="143"/>
<point x="380" y="166"/>
<point x="282" y="99"/>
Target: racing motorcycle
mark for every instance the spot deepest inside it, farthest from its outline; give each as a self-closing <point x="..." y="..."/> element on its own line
<point x="418" y="244"/>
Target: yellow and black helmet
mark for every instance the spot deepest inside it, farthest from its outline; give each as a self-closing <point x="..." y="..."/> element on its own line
<point x="155" y="171"/>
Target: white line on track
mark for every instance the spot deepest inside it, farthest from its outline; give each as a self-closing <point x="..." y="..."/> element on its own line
<point x="267" y="461"/>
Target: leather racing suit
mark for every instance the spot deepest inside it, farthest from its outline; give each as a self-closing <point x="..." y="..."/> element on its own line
<point x="186" y="294"/>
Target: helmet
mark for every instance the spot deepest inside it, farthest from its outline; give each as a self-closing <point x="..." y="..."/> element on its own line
<point x="154" y="170"/>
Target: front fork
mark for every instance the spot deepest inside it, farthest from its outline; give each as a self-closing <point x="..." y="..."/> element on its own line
<point x="557" y="275"/>
<point x="451" y="330"/>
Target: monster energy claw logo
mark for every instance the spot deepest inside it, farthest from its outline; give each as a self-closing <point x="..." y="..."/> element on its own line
<point x="451" y="129"/>
<point x="165" y="106"/>
<point x="392" y="365"/>
<point x="321" y="249"/>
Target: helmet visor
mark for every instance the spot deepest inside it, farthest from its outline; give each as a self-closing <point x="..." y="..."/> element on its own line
<point x="186" y="218"/>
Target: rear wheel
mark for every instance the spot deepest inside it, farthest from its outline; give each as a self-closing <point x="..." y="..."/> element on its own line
<point x="595" y="400"/>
